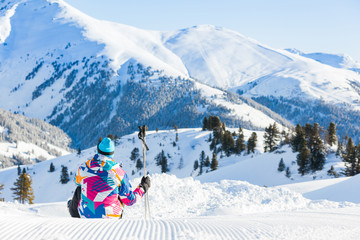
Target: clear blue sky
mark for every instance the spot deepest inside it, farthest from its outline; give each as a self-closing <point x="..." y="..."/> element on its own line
<point x="331" y="26"/>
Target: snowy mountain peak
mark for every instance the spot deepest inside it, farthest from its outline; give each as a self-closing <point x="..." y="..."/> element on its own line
<point x="334" y="60"/>
<point x="56" y="61"/>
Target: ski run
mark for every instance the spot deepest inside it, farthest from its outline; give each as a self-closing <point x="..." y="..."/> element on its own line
<point x="222" y="204"/>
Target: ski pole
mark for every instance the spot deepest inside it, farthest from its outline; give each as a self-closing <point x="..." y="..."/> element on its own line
<point x="141" y="136"/>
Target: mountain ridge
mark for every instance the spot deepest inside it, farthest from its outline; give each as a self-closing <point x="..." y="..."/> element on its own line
<point x="74" y="59"/>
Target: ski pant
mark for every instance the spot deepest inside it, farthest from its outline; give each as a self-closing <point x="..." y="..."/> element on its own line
<point x="73" y="206"/>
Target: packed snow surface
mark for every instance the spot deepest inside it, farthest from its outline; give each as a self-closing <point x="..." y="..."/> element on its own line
<point x="221" y="204"/>
<point x="187" y="209"/>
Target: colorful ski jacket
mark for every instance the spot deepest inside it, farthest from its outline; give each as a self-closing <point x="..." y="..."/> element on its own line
<point x="103" y="182"/>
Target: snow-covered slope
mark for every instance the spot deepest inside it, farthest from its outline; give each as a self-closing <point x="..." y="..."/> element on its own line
<point x="226" y="59"/>
<point x="219" y="206"/>
<point x="315" y="220"/>
<point x="340" y="189"/>
<point x="26" y="141"/>
<point x="334" y="60"/>
<point x="187" y="209"/>
<point x="56" y="62"/>
<point x="221" y="57"/>
<point x="258" y="168"/>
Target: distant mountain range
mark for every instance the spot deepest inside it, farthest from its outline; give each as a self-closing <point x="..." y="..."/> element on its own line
<point x="92" y="77"/>
<point x="334" y="60"/>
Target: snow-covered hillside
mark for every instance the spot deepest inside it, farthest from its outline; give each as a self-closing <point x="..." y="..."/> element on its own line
<point x="56" y="61"/>
<point x="258" y="168"/>
<point x="27" y="141"/>
<point x="226" y="59"/>
<point x="138" y="78"/>
<point x="228" y="203"/>
<point x="279" y="214"/>
<point x="334" y="60"/>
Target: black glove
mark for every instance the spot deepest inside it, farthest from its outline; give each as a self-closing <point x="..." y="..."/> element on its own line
<point x="145" y="183"/>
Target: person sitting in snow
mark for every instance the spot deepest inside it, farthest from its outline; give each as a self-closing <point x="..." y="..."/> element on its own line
<point x="103" y="186"/>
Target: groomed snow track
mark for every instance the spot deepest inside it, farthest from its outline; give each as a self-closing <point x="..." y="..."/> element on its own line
<point x="279" y="225"/>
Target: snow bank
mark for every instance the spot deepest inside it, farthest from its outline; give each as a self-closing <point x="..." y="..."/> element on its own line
<point x="171" y="197"/>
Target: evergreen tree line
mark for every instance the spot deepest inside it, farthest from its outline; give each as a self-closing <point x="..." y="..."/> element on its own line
<point x="299" y="111"/>
<point x="20" y="128"/>
<point x="223" y="140"/>
<point x="309" y="141"/>
<point x="310" y="146"/>
<point x="351" y="156"/>
<point x="204" y="162"/>
<point x="135" y="157"/>
<point x="22" y="189"/>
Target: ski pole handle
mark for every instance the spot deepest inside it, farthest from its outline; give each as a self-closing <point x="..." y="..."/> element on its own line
<point x="141" y="135"/>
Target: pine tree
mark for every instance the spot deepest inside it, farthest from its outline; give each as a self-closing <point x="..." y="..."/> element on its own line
<point x="308" y="130"/>
<point x="1" y="187"/>
<point x="303" y="158"/>
<point x="271" y="137"/>
<point x="164" y="165"/>
<point x="177" y="137"/>
<point x="64" y="177"/>
<point x="214" y="122"/>
<point x="240" y="143"/>
<point x="357" y="152"/>
<point x="281" y="166"/>
<point x="209" y="123"/>
<point x="350" y="158"/>
<point x="18" y="170"/>
<point x="288" y="172"/>
<point x="22" y="189"/>
<point x="223" y="126"/>
<point x="228" y="143"/>
<point x="285" y="137"/>
<point x="139" y="164"/>
<point x="181" y="163"/>
<point x="161" y="161"/>
<point x="202" y="161"/>
<point x="317" y="149"/>
<point x="79" y="152"/>
<point x="200" y="169"/>
<point x="52" y="167"/>
<point x="207" y="162"/>
<point x="175" y="127"/>
<point x="296" y="141"/>
<point x="251" y="144"/>
<point x="214" y="163"/>
<point x="340" y="149"/>
<point x="331" y="134"/>
<point x="196" y="165"/>
<point x="134" y="155"/>
<point x="210" y="138"/>
<point x="212" y="144"/>
<point x="205" y="124"/>
<point x="332" y="172"/>
<point x="218" y="135"/>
